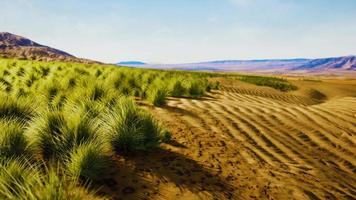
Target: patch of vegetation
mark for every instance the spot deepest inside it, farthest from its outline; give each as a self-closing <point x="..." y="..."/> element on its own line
<point x="157" y="97"/>
<point x="22" y="180"/>
<point x="317" y="95"/>
<point x="61" y="123"/>
<point x="129" y="128"/>
<point x="13" y="142"/>
<point x="87" y="160"/>
<point x="273" y="82"/>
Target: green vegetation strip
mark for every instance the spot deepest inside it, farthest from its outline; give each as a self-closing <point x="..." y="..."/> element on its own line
<point x="61" y="123"/>
<point x="273" y="82"/>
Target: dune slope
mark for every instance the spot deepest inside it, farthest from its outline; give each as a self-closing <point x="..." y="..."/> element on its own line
<point x="249" y="142"/>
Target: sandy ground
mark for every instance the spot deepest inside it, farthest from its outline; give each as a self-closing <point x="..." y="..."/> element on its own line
<point x="250" y="142"/>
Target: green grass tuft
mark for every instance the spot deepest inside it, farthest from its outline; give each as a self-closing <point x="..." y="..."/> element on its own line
<point x="129" y="128"/>
<point x="157" y="96"/>
<point x="13" y="142"/>
<point x="16" y="108"/>
<point x="88" y="161"/>
<point x="20" y="180"/>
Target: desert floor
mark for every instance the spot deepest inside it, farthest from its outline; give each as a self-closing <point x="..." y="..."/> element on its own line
<point x="249" y="142"/>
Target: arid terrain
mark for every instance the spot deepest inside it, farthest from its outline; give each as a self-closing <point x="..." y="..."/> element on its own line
<point x="249" y="142"/>
<point x="83" y="130"/>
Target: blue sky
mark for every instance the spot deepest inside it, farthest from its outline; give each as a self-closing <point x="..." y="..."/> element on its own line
<point x="176" y="31"/>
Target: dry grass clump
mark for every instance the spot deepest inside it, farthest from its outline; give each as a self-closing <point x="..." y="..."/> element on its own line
<point x="21" y="180"/>
<point x="129" y="128"/>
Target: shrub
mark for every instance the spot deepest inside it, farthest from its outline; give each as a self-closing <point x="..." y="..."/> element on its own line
<point x="55" y="134"/>
<point x="88" y="161"/>
<point x="13" y="142"/>
<point x="20" y="108"/>
<point x="24" y="181"/>
<point x="176" y="88"/>
<point x="196" y="89"/>
<point x="16" y="176"/>
<point x="129" y="128"/>
<point x="47" y="134"/>
<point x="157" y="96"/>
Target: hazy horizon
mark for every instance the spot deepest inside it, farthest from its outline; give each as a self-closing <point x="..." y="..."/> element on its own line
<point x="186" y="31"/>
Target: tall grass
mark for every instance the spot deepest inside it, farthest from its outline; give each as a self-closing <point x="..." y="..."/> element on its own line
<point x="16" y="108"/>
<point x="77" y="116"/>
<point x="129" y="128"/>
<point x="20" y="180"/>
<point x="54" y="134"/>
<point x="176" y="88"/>
<point x="88" y="161"/>
<point x="13" y="142"/>
<point x="157" y="96"/>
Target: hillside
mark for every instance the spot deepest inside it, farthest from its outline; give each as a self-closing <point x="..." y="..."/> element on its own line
<point x="322" y="65"/>
<point x="342" y="63"/>
<point x="14" y="46"/>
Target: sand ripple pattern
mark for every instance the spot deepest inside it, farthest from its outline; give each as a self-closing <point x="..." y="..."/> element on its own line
<point x="303" y="148"/>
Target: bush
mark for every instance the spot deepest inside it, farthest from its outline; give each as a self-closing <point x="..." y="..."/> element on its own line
<point x="58" y="111"/>
<point x="19" y="108"/>
<point x="196" y="89"/>
<point x="157" y="96"/>
<point x="176" y="88"/>
<point x="88" y="161"/>
<point x="129" y="128"/>
<point x="55" y="134"/>
<point x="13" y="142"/>
<point x="24" y="181"/>
<point x="15" y="178"/>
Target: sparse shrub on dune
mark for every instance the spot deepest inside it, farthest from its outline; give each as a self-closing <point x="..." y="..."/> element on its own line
<point x="195" y="89"/>
<point x="157" y="96"/>
<point x="20" y="180"/>
<point x="129" y="128"/>
<point x="54" y="134"/>
<point x="213" y="86"/>
<point x="77" y="115"/>
<point x="176" y="88"/>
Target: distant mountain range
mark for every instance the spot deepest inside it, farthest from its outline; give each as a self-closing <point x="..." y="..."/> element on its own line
<point x="131" y="63"/>
<point x="14" y="46"/>
<point x="336" y="64"/>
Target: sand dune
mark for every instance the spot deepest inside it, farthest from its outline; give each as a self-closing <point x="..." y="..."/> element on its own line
<point x="249" y="142"/>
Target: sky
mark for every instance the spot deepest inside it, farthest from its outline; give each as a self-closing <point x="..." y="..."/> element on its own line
<point x="182" y="31"/>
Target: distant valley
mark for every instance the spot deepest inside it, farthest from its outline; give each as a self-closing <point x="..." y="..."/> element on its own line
<point x="322" y="65"/>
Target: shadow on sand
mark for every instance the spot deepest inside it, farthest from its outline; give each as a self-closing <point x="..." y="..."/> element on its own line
<point x="139" y="176"/>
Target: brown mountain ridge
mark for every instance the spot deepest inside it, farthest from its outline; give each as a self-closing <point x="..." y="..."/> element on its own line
<point x="14" y="46"/>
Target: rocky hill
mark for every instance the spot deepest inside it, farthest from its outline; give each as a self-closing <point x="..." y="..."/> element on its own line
<point x="14" y="46"/>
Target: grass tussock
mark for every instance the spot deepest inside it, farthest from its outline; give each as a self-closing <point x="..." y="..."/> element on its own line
<point x="77" y="116"/>
<point x="16" y="108"/>
<point x="13" y="142"/>
<point x="87" y="160"/>
<point x="24" y="181"/>
<point x="129" y="128"/>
